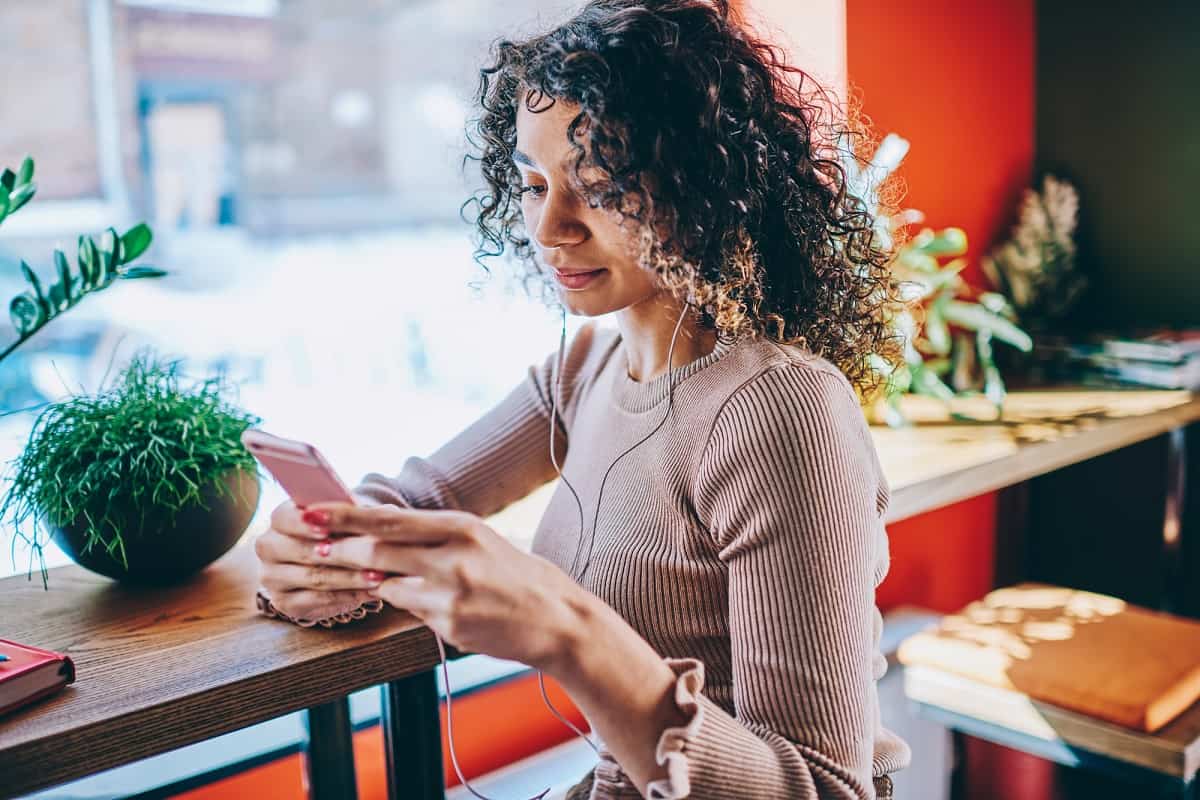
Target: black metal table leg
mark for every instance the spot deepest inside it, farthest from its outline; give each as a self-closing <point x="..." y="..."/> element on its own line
<point x="329" y="752"/>
<point x="412" y="738"/>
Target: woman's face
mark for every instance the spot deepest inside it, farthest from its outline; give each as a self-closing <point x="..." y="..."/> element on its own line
<point x="592" y="255"/>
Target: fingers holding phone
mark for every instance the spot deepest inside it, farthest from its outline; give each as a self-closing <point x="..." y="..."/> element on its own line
<point x="290" y="551"/>
<point x="292" y="573"/>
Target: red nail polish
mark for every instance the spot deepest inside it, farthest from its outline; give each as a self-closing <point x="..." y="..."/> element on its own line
<point x="323" y="548"/>
<point x="373" y="575"/>
<point x="316" y="517"/>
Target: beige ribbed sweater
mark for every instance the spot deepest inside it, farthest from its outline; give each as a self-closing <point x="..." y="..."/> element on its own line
<point x="743" y="540"/>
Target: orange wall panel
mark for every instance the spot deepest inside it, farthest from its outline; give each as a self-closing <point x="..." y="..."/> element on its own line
<point x="493" y="727"/>
<point x="957" y="80"/>
<point x="942" y="559"/>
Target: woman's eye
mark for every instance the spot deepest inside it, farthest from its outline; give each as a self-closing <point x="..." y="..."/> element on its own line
<point x="531" y="189"/>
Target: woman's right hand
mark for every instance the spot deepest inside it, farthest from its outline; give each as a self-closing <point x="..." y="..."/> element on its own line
<point x="293" y="575"/>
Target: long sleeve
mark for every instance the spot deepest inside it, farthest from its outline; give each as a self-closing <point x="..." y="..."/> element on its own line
<point x="498" y="459"/>
<point x="502" y="456"/>
<point x="791" y="492"/>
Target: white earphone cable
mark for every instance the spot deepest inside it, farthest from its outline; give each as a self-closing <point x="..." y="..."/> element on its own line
<point x="554" y="460"/>
<point x="555" y="392"/>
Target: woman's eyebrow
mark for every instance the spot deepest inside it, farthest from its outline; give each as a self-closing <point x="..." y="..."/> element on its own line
<point x="521" y="158"/>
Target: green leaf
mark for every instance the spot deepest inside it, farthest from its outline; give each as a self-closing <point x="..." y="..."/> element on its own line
<point x="25" y="173"/>
<point x="976" y="318"/>
<point x="63" y="266"/>
<point x="64" y="279"/>
<point x="59" y="297"/>
<point x="8" y="179"/>
<point x="32" y="277"/>
<point x="3" y="205"/>
<point x="141" y="272"/>
<point x="21" y="197"/>
<point x="925" y="381"/>
<point x="946" y="242"/>
<point x="102" y="271"/>
<point x="117" y="250"/>
<point x="939" y="366"/>
<point x="26" y="313"/>
<point x="106" y="252"/>
<point x="916" y="260"/>
<point x="937" y="332"/>
<point x="86" y="267"/>
<point x="993" y="383"/>
<point x="135" y="241"/>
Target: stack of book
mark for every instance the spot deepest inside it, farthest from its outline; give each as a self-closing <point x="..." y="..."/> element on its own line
<point x="1165" y="359"/>
<point x="1066" y="670"/>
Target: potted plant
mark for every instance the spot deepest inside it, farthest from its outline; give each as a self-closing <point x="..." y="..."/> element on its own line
<point x="146" y="481"/>
<point x="947" y="327"/>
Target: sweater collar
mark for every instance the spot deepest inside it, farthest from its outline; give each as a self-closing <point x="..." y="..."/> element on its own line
<point x="640" y="397"/>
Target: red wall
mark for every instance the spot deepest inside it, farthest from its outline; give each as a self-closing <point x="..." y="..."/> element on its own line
<point x="957" y="80"/>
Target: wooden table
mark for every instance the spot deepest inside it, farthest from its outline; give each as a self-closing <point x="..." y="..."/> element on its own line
<point x="162" y="668"/>
<point x="159" y="669"/>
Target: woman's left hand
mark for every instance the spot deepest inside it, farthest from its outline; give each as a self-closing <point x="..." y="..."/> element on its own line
<point x="458" y="576"/>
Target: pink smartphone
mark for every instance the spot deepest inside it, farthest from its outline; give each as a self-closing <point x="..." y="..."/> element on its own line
<point x="298" y="467"/>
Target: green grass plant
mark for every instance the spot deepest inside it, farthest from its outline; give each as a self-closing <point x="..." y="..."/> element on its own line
<point x="144" y="448"/>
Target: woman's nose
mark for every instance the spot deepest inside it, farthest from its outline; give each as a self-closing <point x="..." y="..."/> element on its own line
<point x="559" y="224"/>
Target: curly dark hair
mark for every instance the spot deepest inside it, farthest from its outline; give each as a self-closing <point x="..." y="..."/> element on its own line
<point x="728" y="160"/>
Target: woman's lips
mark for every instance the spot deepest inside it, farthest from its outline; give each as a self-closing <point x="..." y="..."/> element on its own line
<point x="577" y="280"/>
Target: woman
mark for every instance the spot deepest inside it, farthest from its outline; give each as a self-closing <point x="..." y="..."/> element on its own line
<point x="702" y="583"/>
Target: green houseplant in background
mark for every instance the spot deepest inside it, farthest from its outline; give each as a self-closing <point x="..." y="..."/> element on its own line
<point x="98" y="264"/>
<point x="948" y="328"/>
<point x="146" y="481"/>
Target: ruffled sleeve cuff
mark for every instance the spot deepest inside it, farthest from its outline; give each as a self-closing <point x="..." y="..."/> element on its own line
<point x="712" y="754"/>
<point x="266" y="607"/>
<point x="674" y="748"/>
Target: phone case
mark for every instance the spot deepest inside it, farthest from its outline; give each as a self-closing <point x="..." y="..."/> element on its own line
<point x="298" y="467"/>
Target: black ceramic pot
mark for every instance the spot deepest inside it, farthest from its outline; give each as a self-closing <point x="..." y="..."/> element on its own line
<point x="159" y="553"/>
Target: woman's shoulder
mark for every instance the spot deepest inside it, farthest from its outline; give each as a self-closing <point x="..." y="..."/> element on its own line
<point x="589" y="350"/>
<point x="793" y="374"/>
<point x="786" y="394"/>
<point x="570" y="369"/>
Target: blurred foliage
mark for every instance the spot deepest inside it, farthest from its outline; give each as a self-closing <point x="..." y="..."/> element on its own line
<point x="97" y="264"/>
<point x="947" y="326"/>
<point x="1036" y="268"/>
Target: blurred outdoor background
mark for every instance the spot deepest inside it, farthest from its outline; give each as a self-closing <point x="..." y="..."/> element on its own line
<point x="301" y="165"/>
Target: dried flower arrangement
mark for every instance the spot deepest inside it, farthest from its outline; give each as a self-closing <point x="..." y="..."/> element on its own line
<point x="1035" y="269"/>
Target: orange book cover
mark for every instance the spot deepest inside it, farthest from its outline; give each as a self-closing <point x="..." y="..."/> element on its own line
<point x="1078" y="650"/>
<point x="28" y="673"/>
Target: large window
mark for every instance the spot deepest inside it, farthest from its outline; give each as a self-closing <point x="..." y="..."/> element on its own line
<point x="301" y="164"/>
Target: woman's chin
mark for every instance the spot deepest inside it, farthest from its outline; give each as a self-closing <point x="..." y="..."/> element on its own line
<point x="583" y="304"/>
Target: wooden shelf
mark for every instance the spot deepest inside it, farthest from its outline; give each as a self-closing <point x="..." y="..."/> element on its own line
<point x="941" y="460"/>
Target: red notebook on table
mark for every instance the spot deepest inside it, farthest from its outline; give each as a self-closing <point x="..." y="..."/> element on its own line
<point x="30" y="673"/>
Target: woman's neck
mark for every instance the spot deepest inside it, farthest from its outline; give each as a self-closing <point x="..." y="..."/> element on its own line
<point x="646" y="330"/>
